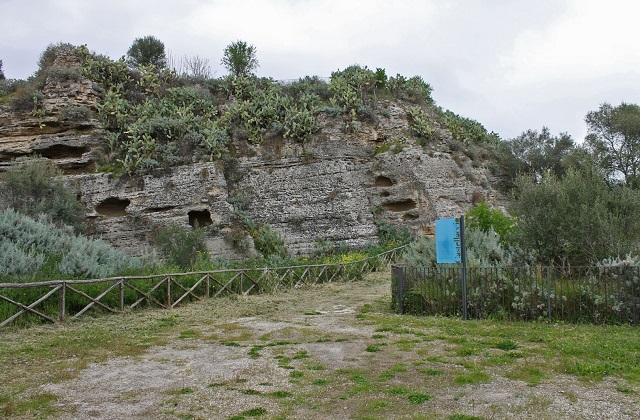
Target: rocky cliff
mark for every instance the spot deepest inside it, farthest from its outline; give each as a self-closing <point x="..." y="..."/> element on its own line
<point x="334" y="187"/>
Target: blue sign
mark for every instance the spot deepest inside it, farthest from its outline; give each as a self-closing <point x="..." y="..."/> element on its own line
<point x="448" y="241"/>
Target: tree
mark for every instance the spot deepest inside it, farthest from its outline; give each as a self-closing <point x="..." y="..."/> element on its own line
<point x="614" y="141"/>
<point x="577" y="219"/>
<point x="147" y="50"/>
<point x="239" y="58"/>
<point x="1" y="72"/>
<point x="534" y="153"/>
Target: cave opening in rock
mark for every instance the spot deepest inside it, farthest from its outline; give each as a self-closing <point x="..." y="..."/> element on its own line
<point x="200" y="218"/>
<point x="404" y="205"/>
<point x="383" y="181"/>
<point x="113" y="207"/>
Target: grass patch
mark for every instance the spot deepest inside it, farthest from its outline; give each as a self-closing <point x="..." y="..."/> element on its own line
<point x="432" y="372"/>
<point x="279" y="394"/>
<point x="372" y="349"/>
<point x="252" y="412"/>
<point x="317" y="366"/>
<point x="182" y="391"/>
<point x="418" y="398"/>
<point x="399" y="390"/>
<point x="507" y="345"/>
<point x="189" y="334"/>
<point x="471" y="378"/>
<point x="532" y="375"/>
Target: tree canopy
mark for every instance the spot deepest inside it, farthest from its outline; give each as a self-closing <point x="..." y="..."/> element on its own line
<point x="147" y="50"/>
<point x="535" y="153"/>
<point x="239" y="58"/>
<point x="614" y="142"/>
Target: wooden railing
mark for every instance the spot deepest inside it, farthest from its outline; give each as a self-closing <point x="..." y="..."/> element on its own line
<point x="59" y="300"/>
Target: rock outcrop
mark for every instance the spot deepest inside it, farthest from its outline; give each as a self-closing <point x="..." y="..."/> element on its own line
<point x="335" y="187"/>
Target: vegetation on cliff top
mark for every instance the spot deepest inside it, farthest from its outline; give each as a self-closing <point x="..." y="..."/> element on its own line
<point x="573" y="204"/>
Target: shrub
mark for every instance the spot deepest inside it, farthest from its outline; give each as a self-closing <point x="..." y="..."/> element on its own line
<point x="49" y="55"/>
<point x="483" y="249"/>
<point x="27" y="98"/>
<point x="269" y="242"/>
<point x="419" y="122"/>
<point x="392" y="236"/>
<point x="181" y="245"/>
<point x="482" y="217"/>
<point x="36" y="247"/>
<point x="33" y="186"/>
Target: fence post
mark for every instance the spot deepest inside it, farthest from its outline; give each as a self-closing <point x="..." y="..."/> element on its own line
<point x="464" y="269"/>
<point x="549" y="292"/>
<point x="401" y="288"/>
<point x="63" y="301"/>
<point x="121" y="303"/>
<point x="207" y="284"/>
<point x="168" y="297"/>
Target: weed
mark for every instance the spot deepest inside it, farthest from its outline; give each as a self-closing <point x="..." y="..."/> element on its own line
<point x="252" y="412"/>
<point x="418" y="398"/>
<point x="530" y="374"/>
<point x="473" y="377"/>
<point x="433" y="372"/>
<point x="317" y="366"/>
<point x="372" y="349"/>
<point x="189" y="334"/>
<point x="399" y="390"/>
<point x="280" y="394"/>
<point x="506" y="345"/>
<point x="296" y="374"/>
<point x="182" y="391"/>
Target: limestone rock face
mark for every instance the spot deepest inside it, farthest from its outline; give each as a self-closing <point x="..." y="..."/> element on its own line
<point x="335" y="187"/>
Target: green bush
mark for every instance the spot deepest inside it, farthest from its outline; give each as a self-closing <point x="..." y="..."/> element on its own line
<point x="269" y="242"/>
<point x="181" y="245"/>
<point x="36" y="248"/>
<point x="483" y="218"/>
<point x="33" y="186"/>
<point x="420" y="123"/>
<point x="392" y="236"/>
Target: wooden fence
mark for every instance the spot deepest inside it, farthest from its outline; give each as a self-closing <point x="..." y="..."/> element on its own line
<point x="60" y="300"/>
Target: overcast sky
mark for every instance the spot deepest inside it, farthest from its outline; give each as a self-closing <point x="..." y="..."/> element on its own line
<point x="512" y="65"/>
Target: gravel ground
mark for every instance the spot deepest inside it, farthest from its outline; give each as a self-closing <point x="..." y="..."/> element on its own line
<point x="312" y="354"/>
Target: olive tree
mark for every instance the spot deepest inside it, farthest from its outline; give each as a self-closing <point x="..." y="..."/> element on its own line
<point x="578" y="219"/>
<point x="146" y="51"/>
<point x="614" y="141"/>
<point x="239" y="58"/>
<point x="534" y="153"/>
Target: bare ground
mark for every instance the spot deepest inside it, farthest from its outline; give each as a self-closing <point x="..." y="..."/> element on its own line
<point x="310" y="353"/>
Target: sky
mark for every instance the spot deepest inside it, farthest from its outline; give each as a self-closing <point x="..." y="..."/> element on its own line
<point x="512" y="65"/>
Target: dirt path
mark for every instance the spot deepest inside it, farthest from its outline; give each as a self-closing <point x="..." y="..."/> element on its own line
<point x="313" y="353"/>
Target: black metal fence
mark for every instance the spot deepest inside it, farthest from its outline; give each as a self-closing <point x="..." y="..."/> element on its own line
<point x="579" y="294"/>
